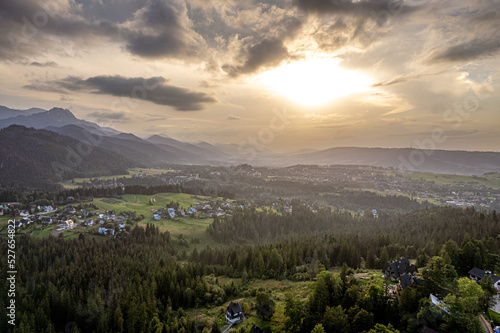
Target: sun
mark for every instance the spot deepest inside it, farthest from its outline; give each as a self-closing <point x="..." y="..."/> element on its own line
<point x="314" y="82"/>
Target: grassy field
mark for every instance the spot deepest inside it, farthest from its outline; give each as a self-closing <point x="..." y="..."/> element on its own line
<point x="495" y="316"/>
<point x="147" y="172"/>
<point x="492" y="180"/>
<point x="4" y="220"/>
<point x="187" y="227"/>
<point x="139" y="203"/>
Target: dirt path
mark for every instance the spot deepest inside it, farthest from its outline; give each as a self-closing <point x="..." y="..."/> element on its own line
<point x="486" y="325"/>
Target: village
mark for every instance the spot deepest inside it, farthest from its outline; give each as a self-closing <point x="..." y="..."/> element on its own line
<point x="110" y="222"/>
<point x="450" y="190"/>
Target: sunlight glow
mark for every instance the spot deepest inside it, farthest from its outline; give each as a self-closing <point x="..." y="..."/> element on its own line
<point x="314" y="82"/>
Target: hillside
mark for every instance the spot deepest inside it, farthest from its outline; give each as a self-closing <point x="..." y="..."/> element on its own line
<point x="437" y="161"/>
<point x="30" y="157"/>
<point x="143" y="152"/>
<point x="6" y="112"/>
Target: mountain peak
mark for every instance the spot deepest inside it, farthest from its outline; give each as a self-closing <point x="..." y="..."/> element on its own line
<point x="61" y="112"/>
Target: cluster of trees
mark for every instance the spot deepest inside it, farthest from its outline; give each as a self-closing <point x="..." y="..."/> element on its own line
<point x="338" y="303"/>
<point x="334" y="237"/>
<point x="133" y="283"/>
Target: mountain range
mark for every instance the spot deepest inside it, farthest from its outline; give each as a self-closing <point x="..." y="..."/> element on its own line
<point x="127" y="149"/>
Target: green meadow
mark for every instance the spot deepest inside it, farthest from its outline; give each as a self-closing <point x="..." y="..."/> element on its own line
<point x="69" y="184"/>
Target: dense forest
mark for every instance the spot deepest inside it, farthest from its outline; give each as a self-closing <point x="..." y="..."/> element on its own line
<point x="139" y="282"/>
<point x="39" y="158"/>
<point x="131" y="284"/>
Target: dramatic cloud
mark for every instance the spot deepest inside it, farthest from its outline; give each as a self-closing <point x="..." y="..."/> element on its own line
<point x="476" y="48"/>
<point x="162" y="29"/>
<point x="152" y="89"/>
<point x="267" y="53"/>
<point x="373" y="8"/>
<point x="208" y="48"/>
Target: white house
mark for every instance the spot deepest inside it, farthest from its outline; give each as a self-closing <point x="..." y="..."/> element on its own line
<point x="478" y="274"/>
<point x="105" y="231"/>
<point x="234" y="313"/>
<point x="156" y="217"/>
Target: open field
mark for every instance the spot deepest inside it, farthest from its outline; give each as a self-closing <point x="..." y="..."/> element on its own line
<point x="147" y="172"/>
<point x="4" y="220"/>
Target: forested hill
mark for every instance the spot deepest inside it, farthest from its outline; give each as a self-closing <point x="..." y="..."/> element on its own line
<point x="30" y="157"/>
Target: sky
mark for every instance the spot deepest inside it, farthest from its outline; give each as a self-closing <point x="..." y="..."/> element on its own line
<point x="287" y="74"/>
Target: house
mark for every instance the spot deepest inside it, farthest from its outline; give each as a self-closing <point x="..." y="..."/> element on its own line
<point x="478" y="274"/>
<point x="105" y="231"/>
<point x="257" y="329"/>
<point x="192" y="210"/>
<point x="24" y="213"/>
<point x="110" y="212"/>
<point x="89" y="222"/>
<point x="407" y="280"/>
<point x="70" y="210"/>
<point x="396" y="268"/>
<point x="436" y="302"/>
<point x="234" y="313"/>
<point x="156" y="217"/>
<point x="69" y="223"/>
<point x="171" y="212"/>
<point x="1" y="211"/>
<point x="46" y="220"/>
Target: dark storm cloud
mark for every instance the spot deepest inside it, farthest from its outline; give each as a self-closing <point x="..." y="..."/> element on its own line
<point x="152" y="89"/>
<point x="267" y="53"/>
<point x="476" y="48"/>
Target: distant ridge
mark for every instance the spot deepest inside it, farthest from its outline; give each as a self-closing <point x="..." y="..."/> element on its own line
<point x="55" y="117"/>
<point x="31" y="157"/>
<point x="6" y="112"/>
<point x="436" y="161"/>
<point x="157" y="150"/>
